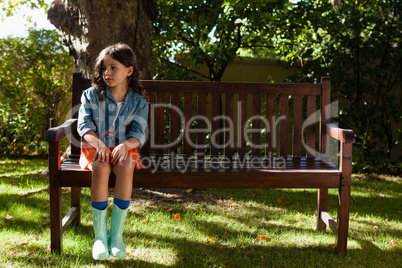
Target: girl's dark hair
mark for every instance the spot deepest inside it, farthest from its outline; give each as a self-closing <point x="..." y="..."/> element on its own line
<point x="125" y="55"/>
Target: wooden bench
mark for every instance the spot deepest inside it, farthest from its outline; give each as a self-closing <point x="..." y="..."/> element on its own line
<point x="222" y="135"/>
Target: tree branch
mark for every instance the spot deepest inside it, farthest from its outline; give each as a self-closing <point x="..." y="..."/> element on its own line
<point x="184" y="67"/>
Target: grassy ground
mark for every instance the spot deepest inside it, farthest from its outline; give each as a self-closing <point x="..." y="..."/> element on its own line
<point x="208" y="228"/>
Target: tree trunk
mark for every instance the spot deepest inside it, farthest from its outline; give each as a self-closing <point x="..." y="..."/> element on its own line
<point x="88" y="26"/>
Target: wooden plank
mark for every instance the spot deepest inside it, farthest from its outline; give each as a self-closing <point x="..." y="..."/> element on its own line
<point x="295" y="170"/>
<point x="345" y="164"/>
<point x="71" y="215"/>
<point x="283" y="125"/>
<point x="325" y="115"/>
<point x="327" y="219"/>
<point x="242" y="109"/>
<point x="310" y="129"/>
<point x="201" y="123"/>
<point x="174" y="123"/>
<point x="322" y="205"/>
<point x="76" y="102"/>
<point x="256" y="134"/>
<point x="77" y="92"/>
<point x="188" y="113"/>
<point x="55" y="198"/>
<point x="297" y="125"/>
<point x="344" y="135"/>
<point x="146" y="148"/>
<point x="216" y="134"/>
<point x="224" y="179"/>
<point x="159" y="123"/>
<point x="270" y="106"/>
<point x="229" y="131"/>
<point x="76" y="202"/>
<point x="232" y="87"/>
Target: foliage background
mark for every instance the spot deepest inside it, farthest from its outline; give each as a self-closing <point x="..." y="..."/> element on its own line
<point x="356" y="43"/>
<point x="35" y="78"/>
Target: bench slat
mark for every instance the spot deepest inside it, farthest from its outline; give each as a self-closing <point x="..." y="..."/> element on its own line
<point x="146" y="148"/>
<point x="188" y="113"/>
<point x="297" y="125"/>
<point x="215" y="124"/>
<point x="256" y="136"/>
<point x="180" y="162"/>
<point x="270" y="107"/>
<point x="242" y="109"/>
<point x="220" y="179"/>
<point x="325" y="115"/>
<point x="159" y="122"/>
<point x="174" y="123"/>
<point x="310" y="135"/>
<point x="229" y="135"/>
<point x="201" y="124"/>
<point x="283" y="125"/>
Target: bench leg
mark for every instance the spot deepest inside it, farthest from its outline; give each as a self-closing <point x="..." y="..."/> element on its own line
<point x="56" y="231"/>
<point x="343" y="220"/>
<point x="76" y="202"/>
<point x="55" y="206"/>
<point x="322" y="205"/>
<point x="344" y="198"/>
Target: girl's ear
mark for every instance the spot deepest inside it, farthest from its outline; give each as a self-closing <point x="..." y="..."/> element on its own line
<point x="130" y="71"/>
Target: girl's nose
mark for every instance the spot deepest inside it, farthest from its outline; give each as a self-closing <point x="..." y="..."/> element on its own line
<point x="107" y="71"/>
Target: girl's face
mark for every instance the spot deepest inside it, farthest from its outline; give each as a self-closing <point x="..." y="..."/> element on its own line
<point x="115" y="74"/>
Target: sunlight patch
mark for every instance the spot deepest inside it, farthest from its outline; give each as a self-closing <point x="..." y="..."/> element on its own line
<point x="153" y="255"/>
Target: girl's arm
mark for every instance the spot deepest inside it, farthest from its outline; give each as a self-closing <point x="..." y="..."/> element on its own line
<point x="102" y="151"/>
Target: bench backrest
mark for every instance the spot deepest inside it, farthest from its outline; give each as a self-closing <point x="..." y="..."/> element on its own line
<point x="226" y="118"/>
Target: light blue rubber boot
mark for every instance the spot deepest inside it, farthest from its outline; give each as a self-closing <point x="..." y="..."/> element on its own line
<point x="117" y="248"/>
<point x="100" y="248"/>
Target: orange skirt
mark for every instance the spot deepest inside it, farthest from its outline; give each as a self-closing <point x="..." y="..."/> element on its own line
<point x="88" y="153"/>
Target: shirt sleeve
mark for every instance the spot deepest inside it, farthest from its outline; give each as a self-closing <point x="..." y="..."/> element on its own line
<point x="85" y="114"/>
<point x="139" y="124"/>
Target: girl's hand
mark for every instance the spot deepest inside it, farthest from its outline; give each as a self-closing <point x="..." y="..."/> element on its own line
<point x="119" y="154"/>
<point x="102" y="154"/>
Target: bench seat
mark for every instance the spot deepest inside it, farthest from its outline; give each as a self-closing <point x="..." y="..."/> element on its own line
<point x="307" y="173"/>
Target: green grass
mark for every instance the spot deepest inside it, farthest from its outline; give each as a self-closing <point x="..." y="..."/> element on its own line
<point x="234" y="218"/>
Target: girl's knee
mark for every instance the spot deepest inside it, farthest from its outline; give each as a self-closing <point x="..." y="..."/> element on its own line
<point x="125" y="168"/>
<point x="101" y="167"/>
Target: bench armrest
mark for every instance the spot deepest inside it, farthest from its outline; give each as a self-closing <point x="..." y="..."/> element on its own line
<point x="340" y="134"/>
<point x="55" y="134"/>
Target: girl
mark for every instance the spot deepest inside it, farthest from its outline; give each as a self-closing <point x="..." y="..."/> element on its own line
<point x="112" y="121"/>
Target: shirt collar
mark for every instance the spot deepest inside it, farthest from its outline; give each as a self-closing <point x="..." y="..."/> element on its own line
<point x="128" y="98"/>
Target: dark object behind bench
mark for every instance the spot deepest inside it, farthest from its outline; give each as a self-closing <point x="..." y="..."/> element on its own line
<point x="223" y="158"/>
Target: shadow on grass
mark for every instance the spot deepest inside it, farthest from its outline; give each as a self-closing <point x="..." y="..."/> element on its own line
<point x="190" y="253"/>
<point x="224" y="251"/>
<point x="32" y="214"/>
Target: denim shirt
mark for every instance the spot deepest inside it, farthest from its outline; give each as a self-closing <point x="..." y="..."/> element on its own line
<point x="99" y="115"/>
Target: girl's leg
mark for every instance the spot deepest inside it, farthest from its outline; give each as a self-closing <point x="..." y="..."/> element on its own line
<point x="100" y="181"/>
<point x="99" y="195"/>
<point x="122" y="196"/>
<point x="124" y="179"/>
